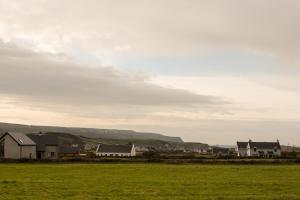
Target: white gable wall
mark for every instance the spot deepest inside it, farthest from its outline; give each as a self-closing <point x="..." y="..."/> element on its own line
<point x="133" y="152"/>
<point x="11" y="148"/>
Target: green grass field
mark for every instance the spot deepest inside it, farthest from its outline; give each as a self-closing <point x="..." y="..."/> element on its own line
<point x="148" y="181"/>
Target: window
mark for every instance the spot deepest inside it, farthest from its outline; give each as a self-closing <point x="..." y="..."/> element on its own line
<point x="52" y="154"/>
<point x="255" y="149"/>
<point x="275" y="150"/>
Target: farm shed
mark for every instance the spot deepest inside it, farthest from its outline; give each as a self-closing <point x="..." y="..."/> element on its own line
<point x="17" y="146"/>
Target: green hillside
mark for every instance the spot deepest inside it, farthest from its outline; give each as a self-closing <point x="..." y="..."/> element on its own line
<point x="90" y="132"/>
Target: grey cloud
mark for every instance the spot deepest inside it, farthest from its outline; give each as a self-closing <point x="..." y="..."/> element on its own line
<point x="159" y="27"/>
<point x="58" y="80"/>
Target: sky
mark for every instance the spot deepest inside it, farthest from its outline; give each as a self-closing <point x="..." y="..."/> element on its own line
<point x="207" y="71"/>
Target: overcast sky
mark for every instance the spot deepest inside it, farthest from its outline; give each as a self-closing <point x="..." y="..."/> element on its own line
<point x="207" y="71"/>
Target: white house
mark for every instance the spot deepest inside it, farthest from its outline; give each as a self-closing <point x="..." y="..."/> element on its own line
<point x="263" y="149"/>
<point x="258" y="149"/>
<point x="241" y="149"/>
<point x="116" y="150"/>
<point x="17" y="146"/>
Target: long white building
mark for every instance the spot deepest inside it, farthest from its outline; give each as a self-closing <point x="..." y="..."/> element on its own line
<point x="115" y="150"/>
<point x="258" y="149"/>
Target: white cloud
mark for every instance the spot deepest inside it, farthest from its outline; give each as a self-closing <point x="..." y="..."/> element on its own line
<point x="258" y="97"/>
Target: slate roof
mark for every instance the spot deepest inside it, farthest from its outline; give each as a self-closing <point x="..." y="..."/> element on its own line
<point x="104" y="148"/>
<point x="20" y="138"/>
<point x="43" y="140"/>
<point x="264" y="145"/>
<point x="242" y="145"/>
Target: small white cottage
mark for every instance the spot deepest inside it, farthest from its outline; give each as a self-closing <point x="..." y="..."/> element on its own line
<point x="17" y="146"/>
<point x="116" y="150"/>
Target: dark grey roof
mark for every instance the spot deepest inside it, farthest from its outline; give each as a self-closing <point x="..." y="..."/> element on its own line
<point x="43" y="140"/>
<point x="69" y="150"/>
<point x="242" y="144"/>
<point x="104" y="148"/>
<point x="264" y="145"/>
<point x="21" y="139"/>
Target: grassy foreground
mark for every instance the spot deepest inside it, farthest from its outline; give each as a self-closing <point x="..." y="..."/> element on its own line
<point x="148" y="181"/>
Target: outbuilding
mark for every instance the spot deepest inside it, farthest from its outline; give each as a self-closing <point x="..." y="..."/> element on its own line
<point x="46" y="145"/>
<point x="17" y="146"/>
<point x="116" y="150"/>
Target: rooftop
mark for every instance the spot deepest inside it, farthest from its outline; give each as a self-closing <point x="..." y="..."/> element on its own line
<point x="242" y="144"/>
<point x="104" y="148"/>
<point x="43" y="140"/>
<point x="21" y="139"/>
<point x="264" y="145"/>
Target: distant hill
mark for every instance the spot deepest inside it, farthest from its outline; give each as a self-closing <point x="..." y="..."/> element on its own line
<point x="112" y="134"/>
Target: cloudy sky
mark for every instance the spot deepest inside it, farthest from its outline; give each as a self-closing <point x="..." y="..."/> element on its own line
<point x="207" y="71"/>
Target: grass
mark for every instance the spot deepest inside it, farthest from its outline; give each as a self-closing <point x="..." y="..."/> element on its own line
<point x="148" y="181"/>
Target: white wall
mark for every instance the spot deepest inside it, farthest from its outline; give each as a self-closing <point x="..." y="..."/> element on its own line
<point x="133" y="152"/>
<point x="28" y="152"/>
<point x="113" y="154"/>
<point x="48" y="150"/>
<point x="11" y="148"/>
<point x="120" y="154"/>
<point x="250" y="152"/>
<point x="13" y="151"/>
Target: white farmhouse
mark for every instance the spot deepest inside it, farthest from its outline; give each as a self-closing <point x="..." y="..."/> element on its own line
<point x="263" y="149"/>
<point x="116" y="150"/>
<point x="17" y="146"/>
<point x="258" y="149"/>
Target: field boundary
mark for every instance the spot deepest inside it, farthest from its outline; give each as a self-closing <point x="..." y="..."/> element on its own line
<point x="247" y="161"/>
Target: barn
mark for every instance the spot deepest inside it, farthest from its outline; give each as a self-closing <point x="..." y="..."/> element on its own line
<point x="17" y="146"/>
